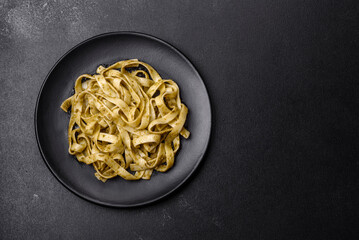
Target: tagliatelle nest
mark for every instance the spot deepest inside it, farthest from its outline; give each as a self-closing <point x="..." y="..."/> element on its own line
<point x="125" y="120"/>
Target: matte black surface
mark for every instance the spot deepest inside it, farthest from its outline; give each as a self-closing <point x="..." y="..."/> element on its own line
<point x="283" y="80"/>
<point x="51" y="122"/>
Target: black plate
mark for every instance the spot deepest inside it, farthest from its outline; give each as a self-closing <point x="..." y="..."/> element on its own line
<point x="51" y="122"/>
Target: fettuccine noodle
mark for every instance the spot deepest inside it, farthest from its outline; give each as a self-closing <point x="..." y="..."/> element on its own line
<point x="125" y="123"/>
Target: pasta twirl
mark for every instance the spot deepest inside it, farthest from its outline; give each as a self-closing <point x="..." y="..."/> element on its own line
<point x="126" y="121"/>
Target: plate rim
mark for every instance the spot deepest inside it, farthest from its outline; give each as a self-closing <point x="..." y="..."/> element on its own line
<point x="94" y="200"/>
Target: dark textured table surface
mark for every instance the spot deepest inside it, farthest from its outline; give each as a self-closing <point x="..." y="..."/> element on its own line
<point x="283" y="79"/>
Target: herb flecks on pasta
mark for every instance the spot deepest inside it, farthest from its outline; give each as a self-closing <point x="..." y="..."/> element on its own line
<point x="125" y="121"/>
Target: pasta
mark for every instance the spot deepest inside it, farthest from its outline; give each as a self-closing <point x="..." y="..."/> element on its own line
<point x="126" y="121"/>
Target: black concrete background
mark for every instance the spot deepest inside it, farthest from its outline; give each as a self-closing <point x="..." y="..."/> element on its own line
<point x="283" y="78"/>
